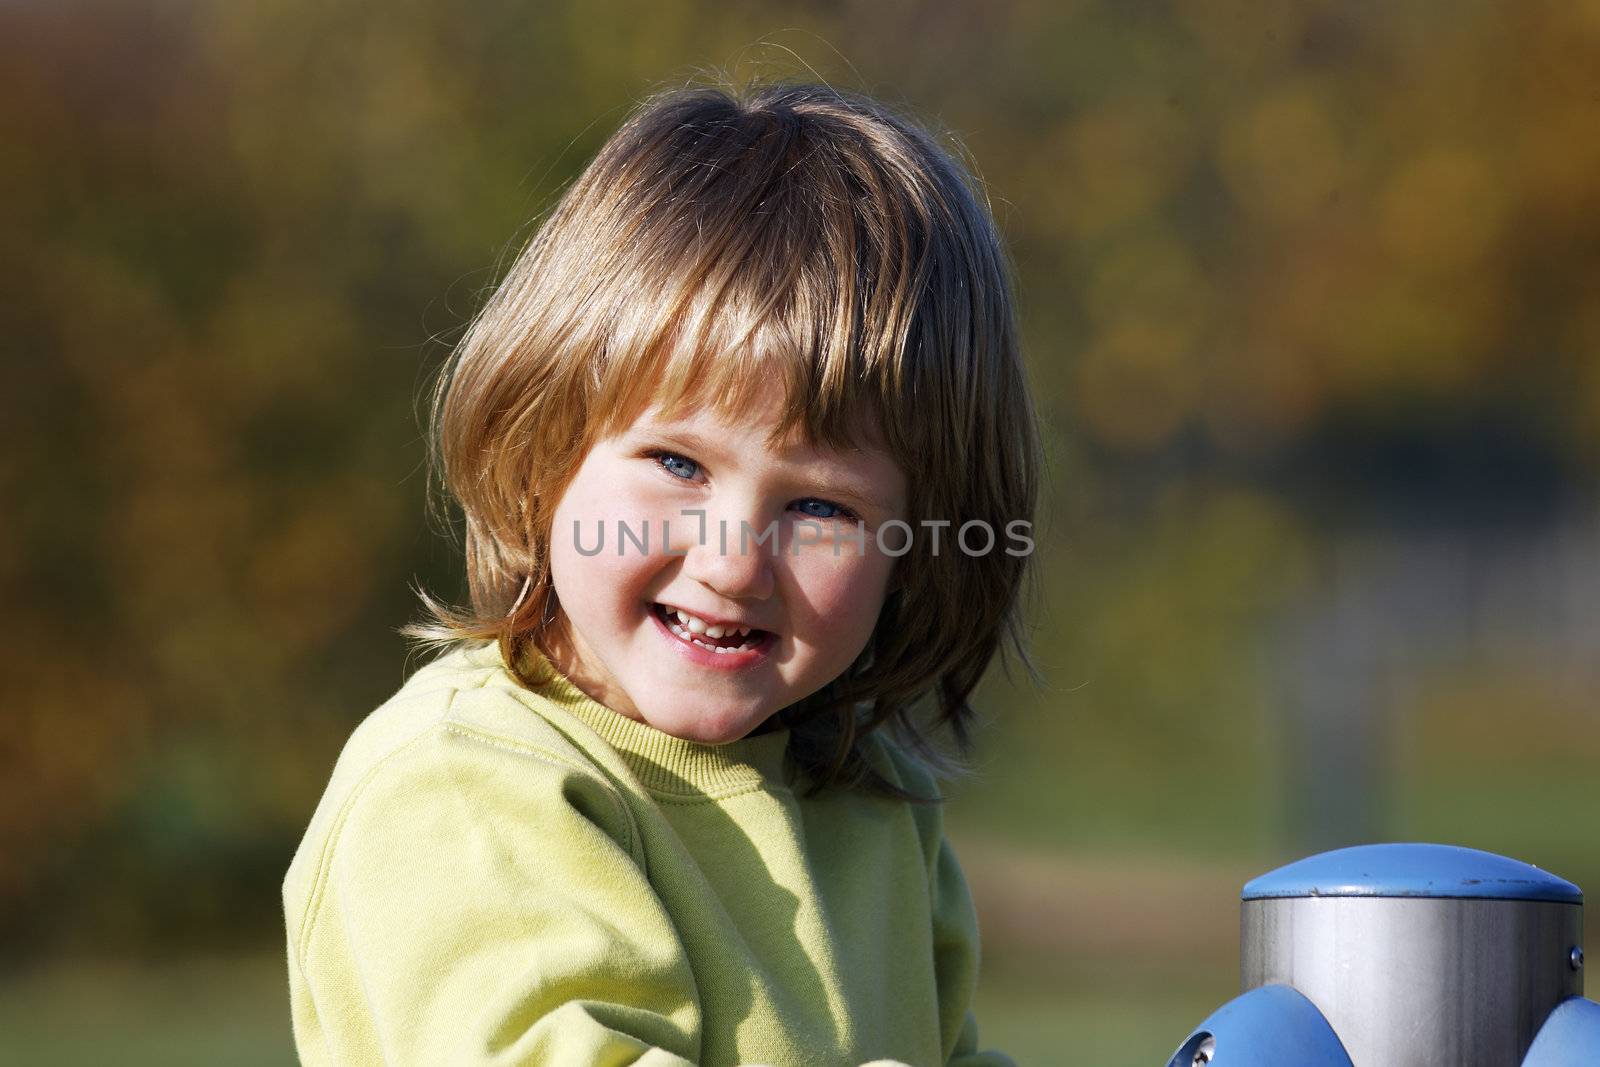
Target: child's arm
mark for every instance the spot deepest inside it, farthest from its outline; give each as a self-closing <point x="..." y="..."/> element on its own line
<point x="955" y="946"/>
<point x="955" y="925"/>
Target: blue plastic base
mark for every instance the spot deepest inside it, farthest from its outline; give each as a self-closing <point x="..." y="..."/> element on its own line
<point x="1269" y="1026"/>
<point x="1570" y="1036"/>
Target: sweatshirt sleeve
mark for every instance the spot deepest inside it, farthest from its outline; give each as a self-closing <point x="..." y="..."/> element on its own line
<point x="955" y="924"/>
<point x="955" y="947"/>
<point x="475" y="904"/>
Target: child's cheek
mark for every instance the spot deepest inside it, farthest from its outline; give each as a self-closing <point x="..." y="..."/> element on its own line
<point x="607" y="503"/>
<point x="844" y="591"/>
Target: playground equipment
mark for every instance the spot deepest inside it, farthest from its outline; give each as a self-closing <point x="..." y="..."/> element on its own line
<point x="1405" y="955"/>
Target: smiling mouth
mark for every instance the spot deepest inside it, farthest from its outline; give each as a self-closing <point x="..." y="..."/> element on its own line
<point x="733" y="642"/>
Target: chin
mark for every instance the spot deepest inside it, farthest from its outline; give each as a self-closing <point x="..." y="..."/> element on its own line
<point x="706" y="731"/>
<point x="709" y="736"/>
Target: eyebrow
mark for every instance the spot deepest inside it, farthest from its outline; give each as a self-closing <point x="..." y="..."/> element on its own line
<point x="824" y="484"/>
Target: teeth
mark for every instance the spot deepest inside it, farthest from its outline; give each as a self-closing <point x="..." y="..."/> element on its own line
<point x="700" y="626"/>
<point x="688" y="627"/>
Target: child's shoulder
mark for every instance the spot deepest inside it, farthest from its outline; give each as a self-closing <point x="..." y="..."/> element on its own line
<point x="467" y="692"/>
<point x="457" y="722"/>
<point x="899" y="763"/>
<point x="461" y="746"/>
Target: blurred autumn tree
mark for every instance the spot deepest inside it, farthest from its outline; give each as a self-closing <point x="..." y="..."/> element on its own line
<point x="1254" y="240"/>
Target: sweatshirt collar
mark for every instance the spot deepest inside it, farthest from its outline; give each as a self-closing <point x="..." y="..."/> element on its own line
<point x="663" y="763"/>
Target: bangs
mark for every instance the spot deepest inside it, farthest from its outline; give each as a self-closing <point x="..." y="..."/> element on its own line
<point x="756" y="255"/>
<point x="725" y="359"/>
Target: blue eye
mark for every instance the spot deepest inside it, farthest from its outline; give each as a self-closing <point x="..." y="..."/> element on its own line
<point x="673" y="464"/>
<point x="838" y="512"/>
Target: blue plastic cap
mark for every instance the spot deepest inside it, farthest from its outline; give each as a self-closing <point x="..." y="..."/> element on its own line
<point x="1412" y="870"/>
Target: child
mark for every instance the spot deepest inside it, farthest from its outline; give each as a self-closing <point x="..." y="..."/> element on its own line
<point x="727" y="439"/>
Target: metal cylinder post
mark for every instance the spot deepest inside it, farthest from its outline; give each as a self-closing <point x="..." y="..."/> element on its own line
<point x="1418" y="955"/>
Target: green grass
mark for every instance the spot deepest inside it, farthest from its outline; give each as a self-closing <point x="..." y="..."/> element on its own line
<point x="214" y="1011"/>
<point x="1124" y="1023"/>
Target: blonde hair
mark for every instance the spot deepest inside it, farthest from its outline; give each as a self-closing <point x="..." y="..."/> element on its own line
<point x="724" y="237"/>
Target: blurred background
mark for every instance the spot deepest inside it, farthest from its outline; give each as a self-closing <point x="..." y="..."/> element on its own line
<point x="1311" y="294"/>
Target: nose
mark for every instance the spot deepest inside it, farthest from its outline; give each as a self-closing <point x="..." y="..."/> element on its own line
<point x="730" y="565"/>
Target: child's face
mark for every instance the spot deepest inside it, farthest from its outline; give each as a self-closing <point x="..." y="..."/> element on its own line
<point x="817" y="601"/>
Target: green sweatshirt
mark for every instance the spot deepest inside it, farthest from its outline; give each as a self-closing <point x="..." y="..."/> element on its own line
<point x="503" y="876"/>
